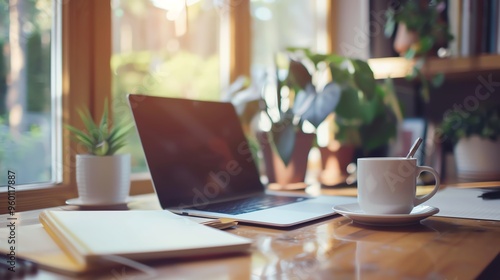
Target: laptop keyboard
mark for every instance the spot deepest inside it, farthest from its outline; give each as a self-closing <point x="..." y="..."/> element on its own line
<point x="251" y="204"/>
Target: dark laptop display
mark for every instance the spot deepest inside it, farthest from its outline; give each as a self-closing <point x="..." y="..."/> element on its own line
<point x="196" y="154"/>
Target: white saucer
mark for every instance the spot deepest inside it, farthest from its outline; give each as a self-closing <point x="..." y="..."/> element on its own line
<point x="354" y="212"/>
<point x="78" y="202"/>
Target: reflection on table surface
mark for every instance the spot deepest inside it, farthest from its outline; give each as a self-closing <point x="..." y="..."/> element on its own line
<point x="439" y="248"/>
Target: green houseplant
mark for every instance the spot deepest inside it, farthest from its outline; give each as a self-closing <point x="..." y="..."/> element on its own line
<point x="365" y="118"/>
<point x="291" y="107"/>
<point x="103" y="177"/>
<point x="475" y="137"/>
<point x="318" y="85"/>
<point x="421" y="31"/>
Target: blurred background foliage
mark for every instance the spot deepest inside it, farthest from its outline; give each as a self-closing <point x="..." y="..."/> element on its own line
<point x="181" y="75"/>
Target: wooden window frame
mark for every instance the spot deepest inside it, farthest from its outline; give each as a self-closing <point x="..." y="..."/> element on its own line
<point x="86" y="82"/>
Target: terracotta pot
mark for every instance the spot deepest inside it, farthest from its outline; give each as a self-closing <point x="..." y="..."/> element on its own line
<point x="334" y="161"/>
<point x="276" y="170"/>
<point x="404" y="39"/>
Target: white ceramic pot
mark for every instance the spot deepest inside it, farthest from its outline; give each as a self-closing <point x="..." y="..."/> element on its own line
<point x="103" y="179"/>
<point x="477" y="158"/>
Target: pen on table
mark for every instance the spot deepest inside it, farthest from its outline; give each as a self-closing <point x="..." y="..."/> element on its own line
<point x="490" y="195"/>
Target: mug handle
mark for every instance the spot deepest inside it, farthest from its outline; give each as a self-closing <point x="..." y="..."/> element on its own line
<point x="422" y="199"/>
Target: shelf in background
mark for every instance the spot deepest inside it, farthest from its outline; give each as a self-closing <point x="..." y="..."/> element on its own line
<point x="455" y="67"/>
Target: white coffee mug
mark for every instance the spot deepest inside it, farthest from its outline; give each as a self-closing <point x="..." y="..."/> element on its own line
<point x="388" y="185"/>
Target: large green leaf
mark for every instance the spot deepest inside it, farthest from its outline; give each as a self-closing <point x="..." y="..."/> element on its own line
<point x="355" y="106"/>
<point x="347" y="132"/>
<point x="371" y="108"/>
<point x="283" y="135"/>
<point x="363" y="77"/>
<point x="379" y="132"/>
<point x="298" y="74"/>
<point x="340" y="76"/>
<point x="316" y="106"/>
<point x="349" y="106"/>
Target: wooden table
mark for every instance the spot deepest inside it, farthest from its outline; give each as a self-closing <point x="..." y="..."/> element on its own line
<point x="335" y="248"/>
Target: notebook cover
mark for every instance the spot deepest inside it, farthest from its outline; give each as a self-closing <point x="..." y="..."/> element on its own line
<point x="87" y="236"/>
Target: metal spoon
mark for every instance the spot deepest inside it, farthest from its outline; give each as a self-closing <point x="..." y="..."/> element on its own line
<point x="414" y="148"/>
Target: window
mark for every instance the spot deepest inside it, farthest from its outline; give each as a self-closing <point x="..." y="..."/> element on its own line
<point x="76" y="39"/>
<point x="29" y="92"/>
<point x="279" y="24"/>
<point x="164" y="48"/>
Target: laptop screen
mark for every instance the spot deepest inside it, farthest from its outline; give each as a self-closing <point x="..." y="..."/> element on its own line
<point x="195" y="150"/>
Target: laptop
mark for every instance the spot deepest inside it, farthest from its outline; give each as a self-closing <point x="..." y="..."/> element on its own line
<point x="201" y="165"/>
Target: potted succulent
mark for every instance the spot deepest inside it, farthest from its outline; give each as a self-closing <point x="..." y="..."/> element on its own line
<point x="103" y="177"/>
<point x="421" y="31"/>
<point x="475" y="137"/>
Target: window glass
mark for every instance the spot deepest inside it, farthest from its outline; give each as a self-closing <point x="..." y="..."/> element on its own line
<point x="276" y="26"/>
<point x="164" y="48"/>
<point x="279" y="24"/>
<point x="27" y="119"/>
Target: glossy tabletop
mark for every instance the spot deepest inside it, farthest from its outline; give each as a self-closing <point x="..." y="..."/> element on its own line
<point x="333" y="248"/>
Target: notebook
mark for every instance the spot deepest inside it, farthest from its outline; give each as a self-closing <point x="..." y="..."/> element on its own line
<point x="92" y="238"/>
<point x="466" y="203"/>
<point x="201" y="165"/>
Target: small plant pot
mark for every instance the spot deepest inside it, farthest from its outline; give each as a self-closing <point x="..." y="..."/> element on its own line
<point x="334" y="161"/>
<point x="295" y="171"/>
<point x="477" y="159"/>
<point x="103" y="179"/>
<point x="404" y="39"/>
